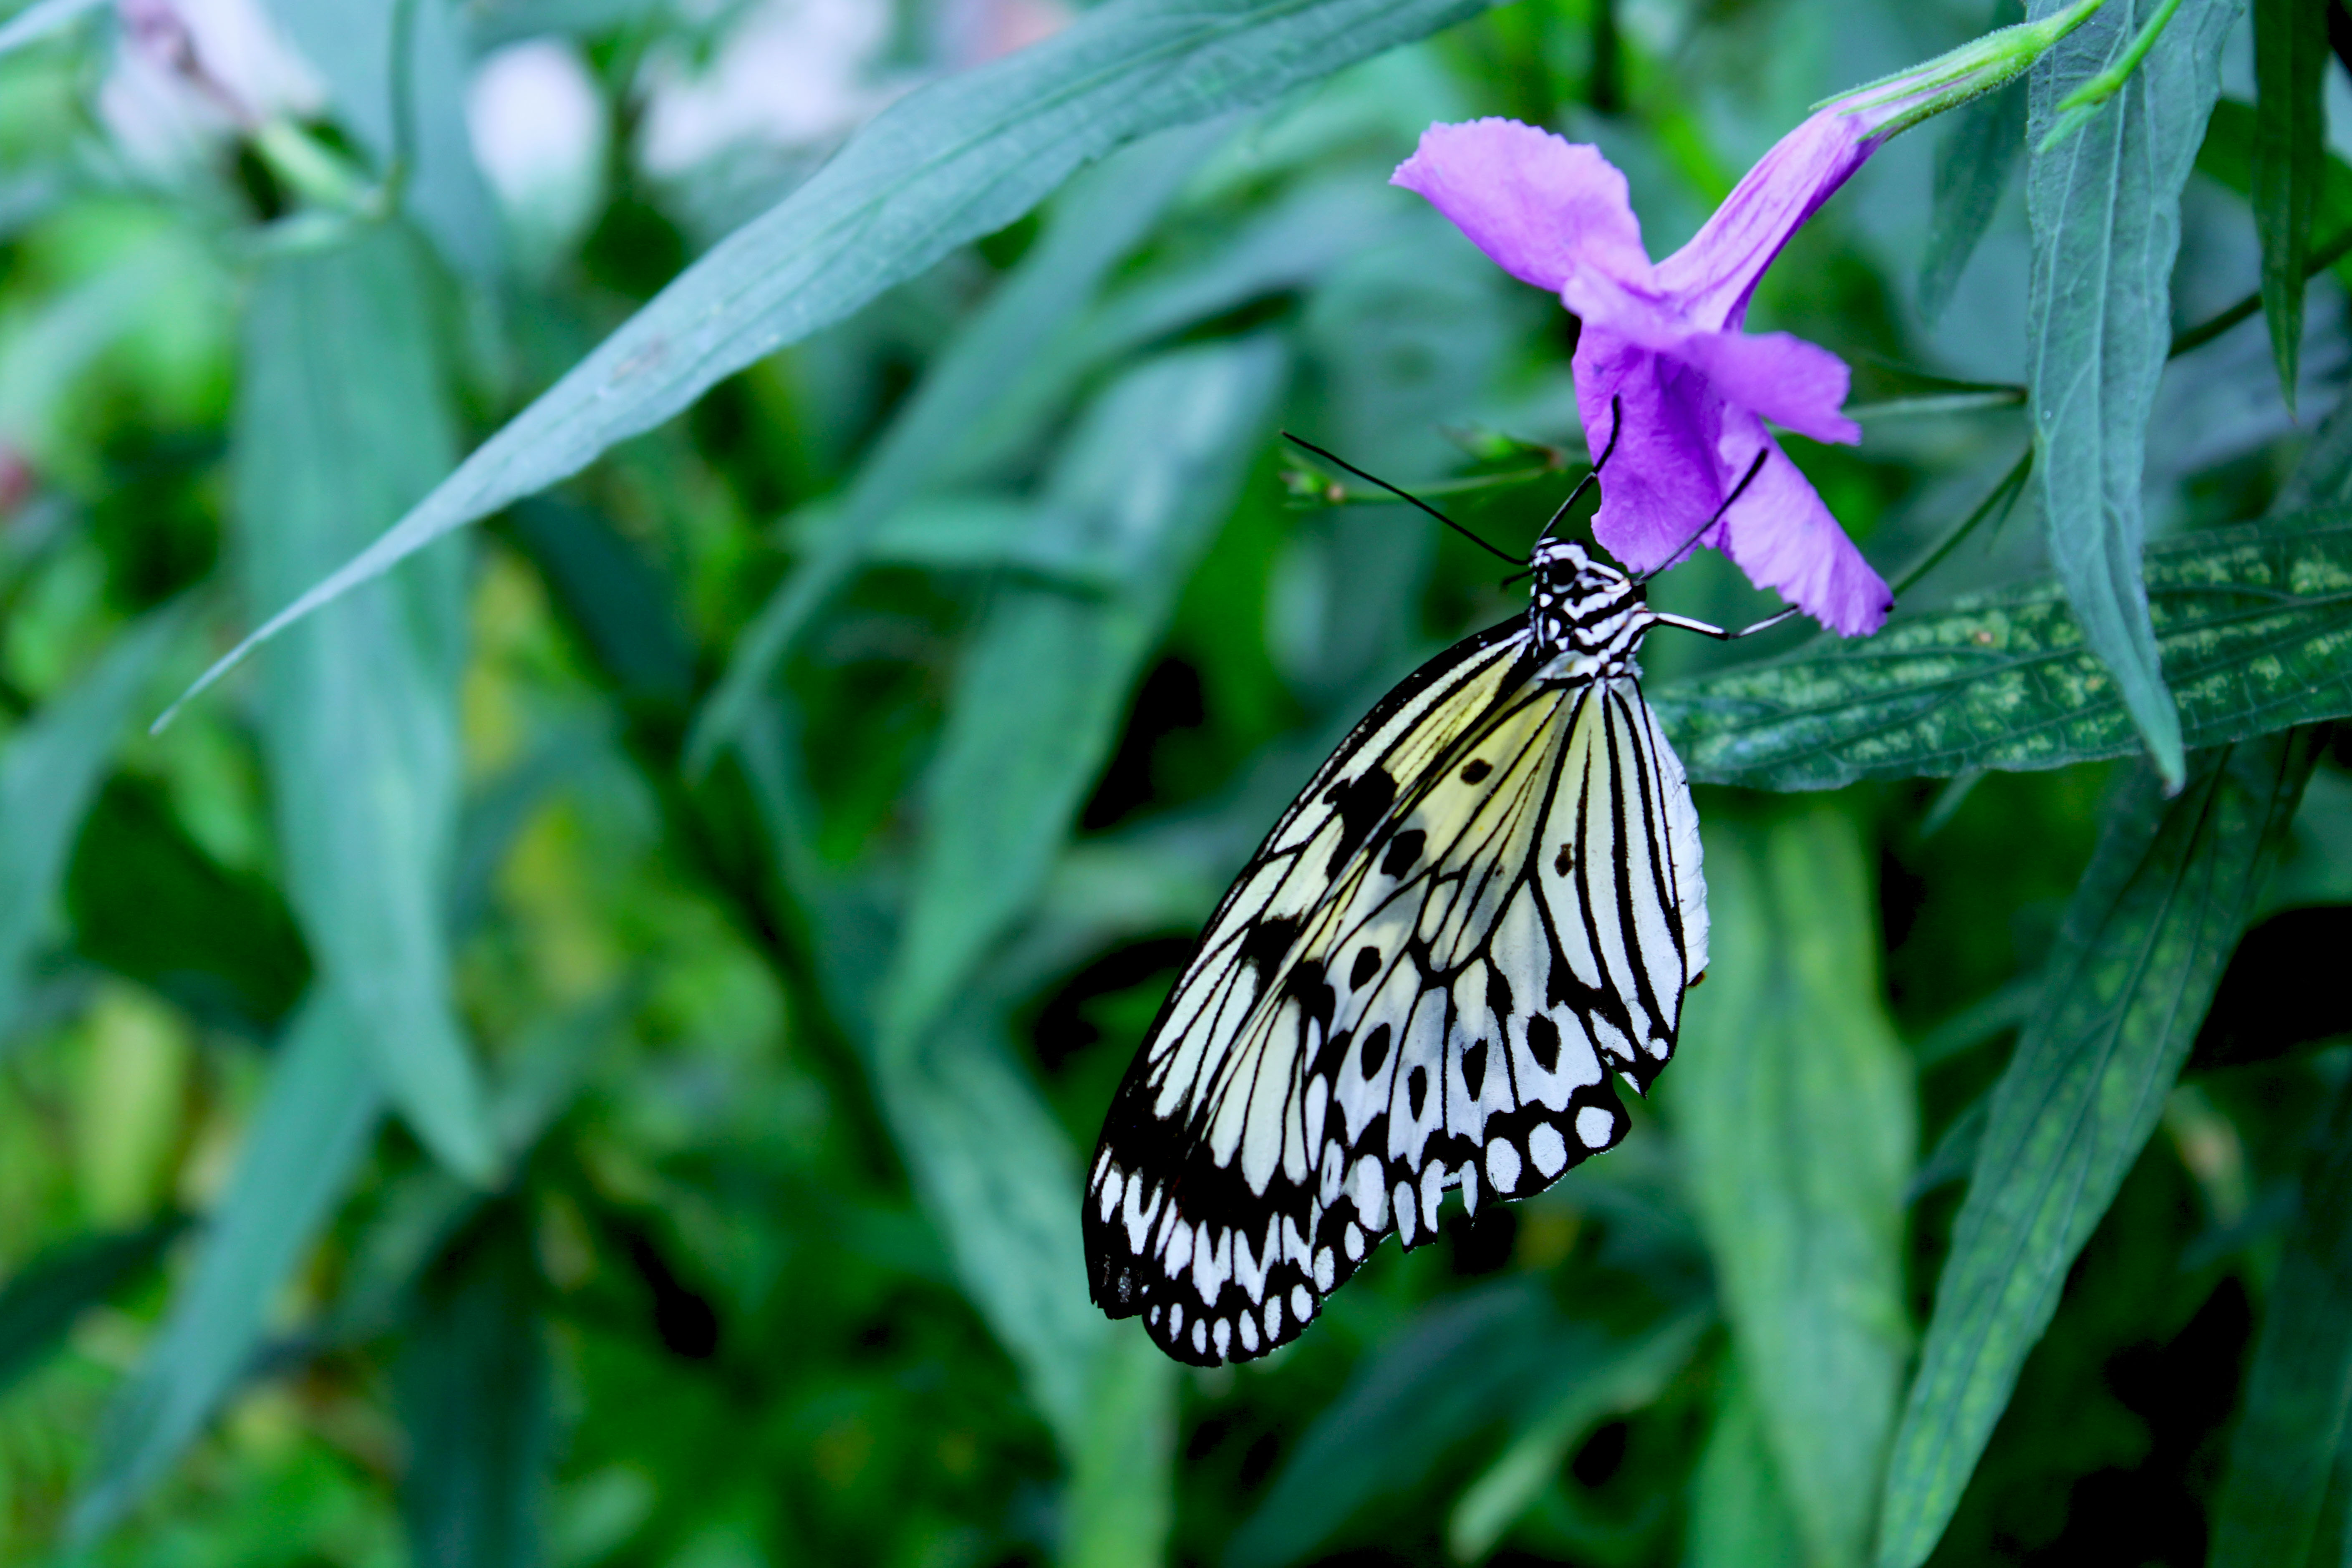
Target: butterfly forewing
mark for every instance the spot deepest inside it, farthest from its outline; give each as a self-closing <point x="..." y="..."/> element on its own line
<point x="1488" y="894"/>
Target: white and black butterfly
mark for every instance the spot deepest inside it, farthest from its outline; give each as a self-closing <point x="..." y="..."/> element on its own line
<point x="1487" y="902"/>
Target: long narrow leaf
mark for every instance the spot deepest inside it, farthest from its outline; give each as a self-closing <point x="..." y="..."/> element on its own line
<point x="947" y="163"/>
<point x="1001" y="1181"/>
<point x="1475" y="1360"/>
<point x="40" y="1301"/>
<point x="2253" y="623"/>
<point x="1972" y="167"/>
<point x="341" y="421"/>
<point x="1038" y="706"/>
<point x="1102" y="215"/>
<point x="2227" y="157"/>
<point x="302" y="1148"/>
<point x="2105" y="211"/>
<point x="1626" y="1376"/>
<point x="49" y="771"/>
<point x="41" y="19"/>
<point x="472" y="1388"/>
<point x="2289" y="162"/>
<point x="2286" y="1500"/>
<point x="2145" y="939"/>
<point x="1794" y="1105"/>
<point x="1122" y="1500"/>
<point x="1740" y="1512"/>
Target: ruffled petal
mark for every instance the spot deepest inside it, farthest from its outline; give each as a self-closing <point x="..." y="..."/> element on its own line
<point x="1789" y="381"/>
<point x="1796" y="384"/>
<point x="1784" y="538"/>
<point x="1713" y="276"/>
<point x="1661" y="482"/>
<point x="1540" y="205"/>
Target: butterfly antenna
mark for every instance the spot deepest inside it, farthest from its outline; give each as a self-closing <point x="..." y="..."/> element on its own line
<point x="1616" y="423"/>
<point x="1737" y="492"/>
<point x="1405" y="494"/>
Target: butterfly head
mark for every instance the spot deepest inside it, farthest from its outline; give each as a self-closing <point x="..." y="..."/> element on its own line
<point x="1588" y="617"/>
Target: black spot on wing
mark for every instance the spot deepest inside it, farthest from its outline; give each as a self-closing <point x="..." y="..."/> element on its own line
<point x="1416" y="1090"/>
<point x="1543" y="1042"/>
<point x="1376" y="1048"/>
<point x="1367" y="964"/>
<point x="1362" y="803"/>
<point x="1476" y="769"/>
<point x="1473" y="1067"/>
<point x="1405" y="852"/>
<point x="1267" y="944"/>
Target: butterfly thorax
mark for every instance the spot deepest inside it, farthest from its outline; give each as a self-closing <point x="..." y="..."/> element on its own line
<point x="1588" y="617"/>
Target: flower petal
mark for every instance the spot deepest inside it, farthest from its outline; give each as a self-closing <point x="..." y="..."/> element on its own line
<point x="1663" y="480"/>
<point x="1784" y="538"/>
<point x="1787" y="380"/>
<point x="1796" y="384"/>
<point x="1540" y="205"/>
<point x="1713" y="276"/>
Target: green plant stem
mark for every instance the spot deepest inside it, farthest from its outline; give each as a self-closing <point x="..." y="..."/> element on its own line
<point x="2005" y="496"/>
<point x="2079" y="105"/>
<point x="1338" y="494"/>
<point x="2205" y="332"/>
<point x="1938" y="403"/>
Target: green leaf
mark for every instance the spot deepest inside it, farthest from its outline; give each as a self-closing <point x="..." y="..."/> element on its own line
<point x="147" y="902"/>
<point x="2253" y="623"/>
<point x="41" y="19"/>
<point x="947" y="163"/>
<point x="999" y="1179"/>
<point x="42" y="1299"/>
<point x="351" y="43"/>
<point x="302" y="1149"/>
<point x="2227" y="158"/>
<point x="1121" y="1501"/>
<point x="1740" y="1515"/>
<point x="2145" y="938"/>
<point x="1972" y="167"/>
<point x="975" y="532"/>
<point x="359" y="719"/>
<point x="1473" y="1360"/>
<point x="472" y="1390"/>
<point x="1792" y="1099"/>
<point x="1625" y="1376"/>
<point x="2290" y="157"/>
<point x="1038" y="703"/>
<point x="1102" y="215"/>
<point x="1955" y="1154"/>
<point x="50" y="770"/>
<point x="625" y="609"/>
<point x="2104" y="206"/>
<point x="2286" y="1495"/>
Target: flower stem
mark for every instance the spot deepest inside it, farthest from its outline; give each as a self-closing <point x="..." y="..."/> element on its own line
<point x="2205" y="332"/>
<point x="1973" y="69"/>
<point x="1938" y="403"/>
<point x="2003" y="497"/>
<point x="2079" y="105"/>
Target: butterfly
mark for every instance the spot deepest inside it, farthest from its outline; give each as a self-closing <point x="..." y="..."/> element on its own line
<point x="1483" y="905"/>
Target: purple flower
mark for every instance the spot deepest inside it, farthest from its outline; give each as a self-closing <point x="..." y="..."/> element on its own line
<point x="1663" y="343"/>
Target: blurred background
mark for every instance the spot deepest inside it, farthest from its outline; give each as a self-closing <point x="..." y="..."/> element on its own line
<point x="581" y="1053"/>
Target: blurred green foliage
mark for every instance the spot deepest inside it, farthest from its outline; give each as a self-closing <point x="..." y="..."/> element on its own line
<point x="582" y="1054"/>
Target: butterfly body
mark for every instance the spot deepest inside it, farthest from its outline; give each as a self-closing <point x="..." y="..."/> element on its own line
<point x="1486" y="905"/>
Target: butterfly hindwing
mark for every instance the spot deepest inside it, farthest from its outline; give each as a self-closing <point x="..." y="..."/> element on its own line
<point x="1488" y="897"/>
